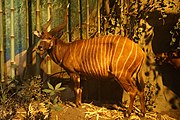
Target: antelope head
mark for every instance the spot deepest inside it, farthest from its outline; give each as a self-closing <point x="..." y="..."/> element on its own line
<point x="45" y="43"/>
<point x="47" y="39"/>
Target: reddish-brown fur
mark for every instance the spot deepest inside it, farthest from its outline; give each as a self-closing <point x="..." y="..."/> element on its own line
<point x="105" y="57"/>
<point x="102" y="57"/>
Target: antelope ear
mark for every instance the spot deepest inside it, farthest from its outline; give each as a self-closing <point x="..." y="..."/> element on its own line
<point x="37" y="33"/>
<point x="51" y="44"/>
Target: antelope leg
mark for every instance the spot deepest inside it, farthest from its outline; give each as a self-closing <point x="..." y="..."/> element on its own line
<point x="77" y="89"/>
<point x="132" y="97"/>
<point x="142" y="102"/>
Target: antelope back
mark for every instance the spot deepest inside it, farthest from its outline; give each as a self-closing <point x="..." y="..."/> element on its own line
<point x="104" y="56"/>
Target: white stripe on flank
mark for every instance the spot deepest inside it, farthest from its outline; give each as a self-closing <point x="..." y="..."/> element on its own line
<point x="104" y="58"/>
<point x="81" y="56"/>
<point x="109" y="53"/>
<point x="84" y="45"/>
<point x="74" y="56"/>
<point x="127" y="59"/>
<point x="97" y="60"/>
<point x="111" y="57"/>
<point x="101" y="58"/>
<point x="94" y="63"/>
<point x="132" y="61"/>
<point x="87" y="54"/>
<point x="113" y="52"/>
<point x="80" y="52"/>
<point x="108" y="57"/>
<point x="117" y="61"/>
<point x="70" y="55"/>
<point x="92" y="56"/>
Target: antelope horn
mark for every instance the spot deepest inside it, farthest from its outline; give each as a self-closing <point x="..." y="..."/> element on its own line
<point x="61" y="26"/>
<point x="46" y="25"/>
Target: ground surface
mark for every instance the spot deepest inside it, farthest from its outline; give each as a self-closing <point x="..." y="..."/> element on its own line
<point x="91" y="112"/>
<point x="88" y="111"/>
<point x="43" y="108"/>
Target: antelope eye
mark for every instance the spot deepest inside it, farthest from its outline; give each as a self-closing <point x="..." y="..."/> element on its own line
<point x="40" y="47"/>
<point x="49" y="38"/>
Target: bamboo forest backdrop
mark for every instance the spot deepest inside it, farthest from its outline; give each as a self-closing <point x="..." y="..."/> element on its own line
<point x="20" y="18"/>
<point x="153" y="24"/>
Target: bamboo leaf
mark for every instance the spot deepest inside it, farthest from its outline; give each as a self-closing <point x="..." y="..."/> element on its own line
<point x="61" y="89"/>
<point x="50" y="86"/>
<point x="58" y="86"/>
<point x="52" y="93"/>
<point x="47" y="90"/>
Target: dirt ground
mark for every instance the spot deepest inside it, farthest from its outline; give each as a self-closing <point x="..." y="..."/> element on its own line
<point x="46" y="110"/>
<point x="92" y="112"/>
<point x="99" y="111"/>
<point x="88" y="111"/>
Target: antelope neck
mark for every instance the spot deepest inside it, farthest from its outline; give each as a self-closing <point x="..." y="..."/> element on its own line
<point x="57" y="52"/>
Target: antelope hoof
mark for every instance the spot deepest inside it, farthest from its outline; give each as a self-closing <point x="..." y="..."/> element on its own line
<point x="127" y="113"/>
<point x="142" y="114"/>
<point x="78" y="104"/>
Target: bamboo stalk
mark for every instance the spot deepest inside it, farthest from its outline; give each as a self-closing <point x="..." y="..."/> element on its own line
<point x="87" y="19"/>
<point x="68" y="21"/>
<point x="103" y="9"/>
<point x="12" y="48"/>
<point x="49" y="13"/>
<point x="1" y="44"/>
<point x="30" y="22"/>
<point x="80" y="18"/>
<point x="29" y="41"/>
<point x="99" y="16"/>
<point x="38" y="15"/>
<point x="49" y="28"/>
<point x="38" y="29"/>
<point x="27" y="25"/>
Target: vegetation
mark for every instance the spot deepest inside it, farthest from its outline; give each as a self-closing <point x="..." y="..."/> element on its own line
<point x="28" y="100"/>
<point x="54" y="95"/>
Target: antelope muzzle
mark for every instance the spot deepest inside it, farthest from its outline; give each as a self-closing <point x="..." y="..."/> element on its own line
<point x="42" y="47"/>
